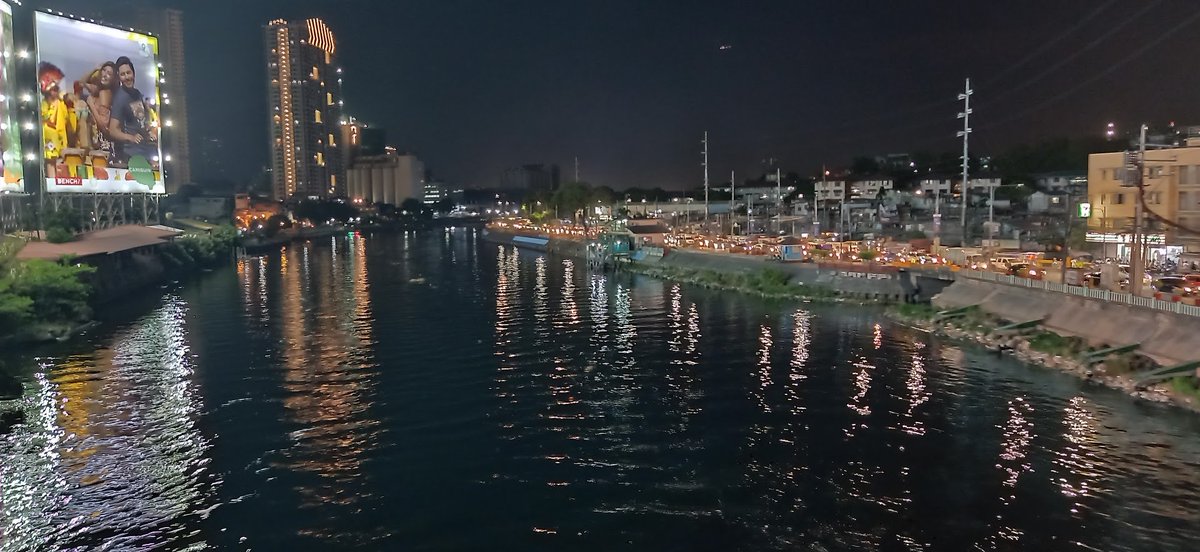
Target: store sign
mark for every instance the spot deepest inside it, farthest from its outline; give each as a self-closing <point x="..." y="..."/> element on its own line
<point x="1085" y="210"/>
<point x="1150" y="239"/>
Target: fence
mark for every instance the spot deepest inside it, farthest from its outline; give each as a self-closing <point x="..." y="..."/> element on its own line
<point x="1101" y="294"/>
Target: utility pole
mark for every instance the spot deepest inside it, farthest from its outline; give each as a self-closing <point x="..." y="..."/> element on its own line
<point x="706" y="178"/>
<point x="778" y="202"/>
<point x="1135" y="254"/>
<point x="732" y="203"/>
<point x="1067" y="240"/>
<point x="966" y="117"/>
<point x="576" y="168"/>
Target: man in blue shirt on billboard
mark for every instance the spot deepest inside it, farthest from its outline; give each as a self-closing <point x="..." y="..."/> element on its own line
<point x="130" y="126"/>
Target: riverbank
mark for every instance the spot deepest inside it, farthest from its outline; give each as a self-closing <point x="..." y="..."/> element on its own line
<point x="757" y="275"/>
<point x="52" y="297"/>
<point x="1045" y="349"/>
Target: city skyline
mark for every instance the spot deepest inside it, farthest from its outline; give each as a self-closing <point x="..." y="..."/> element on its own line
<point x="628" y="89"/>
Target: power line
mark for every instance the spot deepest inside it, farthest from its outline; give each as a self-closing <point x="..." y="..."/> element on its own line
<point x="1120" y="63"/>
<point x="1009" y="90"/>
<point x="995" y="79"/>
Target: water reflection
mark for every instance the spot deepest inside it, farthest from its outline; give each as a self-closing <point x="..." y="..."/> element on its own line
<point x="119" y="423"/>
<point x="329" y="378"/>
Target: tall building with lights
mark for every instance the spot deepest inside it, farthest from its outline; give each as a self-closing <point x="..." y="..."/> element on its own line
<point x="304" y="101"/>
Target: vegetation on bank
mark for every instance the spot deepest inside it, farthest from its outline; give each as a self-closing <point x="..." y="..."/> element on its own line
<point x="200" y="250"/>
<point x="37" y="296"/>
<point x="767" y="282"/>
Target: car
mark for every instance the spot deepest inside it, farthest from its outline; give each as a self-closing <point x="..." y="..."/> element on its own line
<point x="1026" y="270"/>
<point x="1175" y="285"/>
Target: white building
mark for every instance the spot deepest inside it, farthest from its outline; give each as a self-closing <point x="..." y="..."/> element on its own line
<point x="1061" y="180"/>
<point x="870" y="186"/>
<point x="830" y="189"/>
<point x="983" y="182"/>
<point x="934" y="184"/>
<point x="1047" y="202"/>
<point x="390" y="178"/>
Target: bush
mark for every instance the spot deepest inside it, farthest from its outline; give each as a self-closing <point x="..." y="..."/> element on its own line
<point x="56" y="290"/>
<point x="867" y="255"/>
<point x="58" y="234"/>
<point x="1186" y="386"/>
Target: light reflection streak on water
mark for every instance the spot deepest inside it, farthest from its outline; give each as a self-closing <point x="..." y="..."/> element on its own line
<point x="877" y="336"/>
<point x="675" y="318"/>
<point x="540" y="292"/>
<point x="121" y="423"/>
<point x="862" y="386"/>
<point x="626" y="334"/>
<point x="329" y="380"/>
<point x="764" y="368"/>
<point x="1013" y="462"/>
<point x="1077" y="465"/>
<point x="917" y="394"/>
<point x="570" y="311"/>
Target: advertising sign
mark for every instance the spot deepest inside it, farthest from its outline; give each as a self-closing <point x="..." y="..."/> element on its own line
<point x="10" y="132"/>
<point x="99" y="94"/>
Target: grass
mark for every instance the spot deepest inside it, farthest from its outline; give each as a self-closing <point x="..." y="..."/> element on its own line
<point x="767" y="282"/>
<point x="1185" y="386"/>
<point x="1054" y="344"/>
<point x="915" y="311"/>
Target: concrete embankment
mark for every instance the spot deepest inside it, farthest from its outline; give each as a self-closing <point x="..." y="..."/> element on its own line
<point x="853" y="280"/>
<point x="1166" y="337"/>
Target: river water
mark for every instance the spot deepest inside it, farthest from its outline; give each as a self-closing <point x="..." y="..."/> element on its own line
<point x="430" y="391"/>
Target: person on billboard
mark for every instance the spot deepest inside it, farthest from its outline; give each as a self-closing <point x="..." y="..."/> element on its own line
<point x="130" y="125"/>
<point x="96" y="90"/>
<point x="58" y="121"/>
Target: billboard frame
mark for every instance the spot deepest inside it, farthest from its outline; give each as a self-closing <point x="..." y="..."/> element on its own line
<point x="84" y="162"/>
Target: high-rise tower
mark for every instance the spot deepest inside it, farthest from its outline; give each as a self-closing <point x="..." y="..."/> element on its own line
<point x="304" y="109"/>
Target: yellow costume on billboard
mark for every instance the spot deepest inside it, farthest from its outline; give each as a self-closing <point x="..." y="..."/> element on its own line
<point x="57" y="123"/>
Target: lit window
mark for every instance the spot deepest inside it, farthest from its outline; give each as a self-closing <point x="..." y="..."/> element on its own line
<point x="328" y="98"/>
<point x="331" y="140"/>
<point x="320" y="159"/>
<point x="317" y="115"/>
<point x="315" y="75"/>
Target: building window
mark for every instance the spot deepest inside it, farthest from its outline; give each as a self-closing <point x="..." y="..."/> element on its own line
<point x="1118" y="199"/>
<point x="328" y="98"/>
<point x="317" y="115"/>
<point x="331" y="140"/>
<point x="320" y="159"/>
<point x="315" y="75"/>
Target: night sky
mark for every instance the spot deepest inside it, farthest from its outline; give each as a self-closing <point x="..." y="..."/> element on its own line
<point x="629" y="86"/>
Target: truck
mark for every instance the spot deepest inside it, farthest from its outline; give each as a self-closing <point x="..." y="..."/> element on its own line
<point x="791" y="253"/>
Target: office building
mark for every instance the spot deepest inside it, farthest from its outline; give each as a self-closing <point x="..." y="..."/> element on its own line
<point x="434" y="191"/>
<point x="390" y="178"/>
<point x="304" y="109"/>
<point x="167" y="25"/>
<point x="1172" y="191"/>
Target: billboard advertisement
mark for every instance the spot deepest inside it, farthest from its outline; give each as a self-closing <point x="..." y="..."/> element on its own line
<point x="100" y="99"/>
<point x="10" y="132"/>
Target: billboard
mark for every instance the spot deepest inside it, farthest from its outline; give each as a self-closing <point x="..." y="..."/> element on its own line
<point x="10" y="132"/>
<point x="100" y="99"/>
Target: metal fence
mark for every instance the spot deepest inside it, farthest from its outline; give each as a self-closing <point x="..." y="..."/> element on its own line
<point x="1101" y="294"/>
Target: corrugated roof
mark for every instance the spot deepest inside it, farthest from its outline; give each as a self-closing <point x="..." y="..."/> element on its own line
<point x="102" y="242"/>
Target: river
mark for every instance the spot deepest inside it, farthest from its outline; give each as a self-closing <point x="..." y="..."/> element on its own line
<point x="430" y="391"/>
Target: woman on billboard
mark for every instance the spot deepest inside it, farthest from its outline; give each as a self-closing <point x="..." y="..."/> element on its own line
<point x="96" y="90"/>
<point x="132" y="126"/>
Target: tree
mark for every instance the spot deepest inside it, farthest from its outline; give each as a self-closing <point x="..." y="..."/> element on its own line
<point x="570" y="197"/>
<point x="56" y="290"/>
<point x="411" y="207"/>
<point x="15" y="309"/>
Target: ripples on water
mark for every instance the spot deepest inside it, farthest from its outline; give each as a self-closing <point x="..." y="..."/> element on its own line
<point x="432" y="391"/>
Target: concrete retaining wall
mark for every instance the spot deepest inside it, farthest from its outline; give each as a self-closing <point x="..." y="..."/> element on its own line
<point x="1166" y="337"/>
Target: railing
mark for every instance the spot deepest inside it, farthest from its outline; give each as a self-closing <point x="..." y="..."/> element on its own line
<point x="1101" y="294"/>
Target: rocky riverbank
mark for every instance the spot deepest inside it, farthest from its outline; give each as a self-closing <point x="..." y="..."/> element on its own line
<point x="1047" y="350"/>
